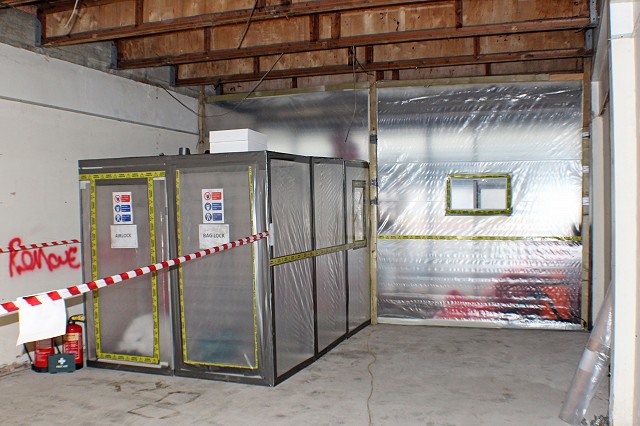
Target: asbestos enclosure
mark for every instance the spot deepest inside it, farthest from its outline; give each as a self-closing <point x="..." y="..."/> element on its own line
<point x="480" y="204"/>
<point x="257" y="313"/>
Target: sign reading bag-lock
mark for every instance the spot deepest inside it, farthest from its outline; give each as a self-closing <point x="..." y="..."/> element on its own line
<point x="211" y="235"/>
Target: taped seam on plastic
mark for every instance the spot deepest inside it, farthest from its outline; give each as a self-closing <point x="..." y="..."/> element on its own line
<point x="253" y="275"/>
<point x="150" y="176"/>
<point x="38" y="299"/>
<point x="183" y="320"/>
<point x="476" y="238"/>
<point x="123" y="175"/>
<point x="155" y="358"/>
<point x="314" y="253"/>
<point x="454" y="212"/>
<point x="40" y="245"/>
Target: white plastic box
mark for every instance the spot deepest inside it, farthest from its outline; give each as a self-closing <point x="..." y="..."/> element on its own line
<point x="236" y="140"/>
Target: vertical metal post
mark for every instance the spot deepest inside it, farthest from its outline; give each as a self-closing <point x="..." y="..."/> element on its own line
<point x="201" y="115"/>
<point x="586" y="312"/>
<point x="373" y="196"/>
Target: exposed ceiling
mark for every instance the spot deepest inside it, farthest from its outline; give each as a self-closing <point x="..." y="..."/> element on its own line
<point x="234" y="44"/>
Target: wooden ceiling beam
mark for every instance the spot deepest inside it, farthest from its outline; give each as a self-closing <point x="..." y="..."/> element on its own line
<point x="469" y="59"/>
<point x="128" y="56"/>
<point x="101" y="27"/>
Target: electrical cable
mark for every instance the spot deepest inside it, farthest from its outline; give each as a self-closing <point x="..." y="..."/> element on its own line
<point x="234" y="109"/>
<point x="369" y="73"/>
<point x="180" y="102"/>
<point x="355" y="94"/>
<point x="246" y="26"/>
<point x="239" y="103"/>
<point x="74" y="14"/>
<point x="373" y="361"/>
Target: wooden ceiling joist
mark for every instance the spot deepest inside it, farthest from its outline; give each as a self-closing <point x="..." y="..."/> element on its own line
<point x="221" y="72"/>
<point x="237" y="41"/>
<point x="151" y="51"/>
<point x="434" y="53"/>
<point x="149" y="17"/>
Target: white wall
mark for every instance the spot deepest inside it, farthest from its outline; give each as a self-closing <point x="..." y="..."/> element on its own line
<point x="624" y="59"/>
<point x="600" y="168"/>
<point x="53" y="113"/>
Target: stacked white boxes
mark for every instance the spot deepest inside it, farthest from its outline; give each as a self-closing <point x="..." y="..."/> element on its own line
<point x="236" y="140"/>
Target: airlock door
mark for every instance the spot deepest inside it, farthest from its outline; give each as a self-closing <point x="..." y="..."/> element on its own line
<point x="128" y="321"/>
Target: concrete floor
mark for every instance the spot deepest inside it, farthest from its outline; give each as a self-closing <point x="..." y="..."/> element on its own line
<point x="421" y="376"/>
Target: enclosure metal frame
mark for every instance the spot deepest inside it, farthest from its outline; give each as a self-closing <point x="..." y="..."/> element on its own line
<point x="124" y="168"/>
<point x="170" y="165"/>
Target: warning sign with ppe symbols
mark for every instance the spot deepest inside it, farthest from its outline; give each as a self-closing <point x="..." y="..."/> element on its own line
<point x="212" y="206"/>
<point x="122" y="208"/>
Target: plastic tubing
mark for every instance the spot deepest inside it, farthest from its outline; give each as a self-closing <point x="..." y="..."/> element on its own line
<point x="594" y="364"/>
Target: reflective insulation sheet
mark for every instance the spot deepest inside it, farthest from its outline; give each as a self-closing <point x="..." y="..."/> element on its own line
<point x="217" y="293"/>
<point x="329" y="215"/>
<point x="126" y="317"/>
<point x="327" y="124"/>
<point x="521" y="268"/>
<point x="358" y="258"/>
<point x="290" y="183"/>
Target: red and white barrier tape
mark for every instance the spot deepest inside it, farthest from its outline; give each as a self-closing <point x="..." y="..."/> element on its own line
<point x="35" y="246"/>
<point x="38" y="299"/>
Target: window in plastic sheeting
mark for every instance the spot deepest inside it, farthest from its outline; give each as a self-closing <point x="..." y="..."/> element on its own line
<point x="358" y="210"/>
<point x="481" y="194"/>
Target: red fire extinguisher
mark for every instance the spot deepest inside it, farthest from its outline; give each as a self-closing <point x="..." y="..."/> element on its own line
<point x="72" y="341"/>
<point x="41" y="351"/>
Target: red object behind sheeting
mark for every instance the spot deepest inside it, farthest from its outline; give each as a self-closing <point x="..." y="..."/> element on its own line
<point x="459" y="306"/>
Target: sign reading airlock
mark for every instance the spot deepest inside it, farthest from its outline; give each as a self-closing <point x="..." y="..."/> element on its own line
<point x="124" y="234"/>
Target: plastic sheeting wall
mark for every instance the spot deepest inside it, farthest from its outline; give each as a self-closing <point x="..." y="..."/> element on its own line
<point x="217" y="292"/>
<point x="328" y="189"/>
<point x="293" y="281"/>
<point x="325" y="124"/>
<point x="518" y="269"/>
<point x="357" y="208"/>
<point x="127" y="323"/>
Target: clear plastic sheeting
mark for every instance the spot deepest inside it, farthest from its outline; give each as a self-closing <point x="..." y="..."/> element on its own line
<point x="293" y="286"/>
<point x="328" y="186"/>
<point x="217" y="292"/>
<point x="358" y="259"/>
<point x="293" y="282"/>
<point x="126" y="324"/>
<point x="593" y="366"/>
<point x="125" y="313"/>
<point x="546" y="200"/>
<point x="521" y="269"/>
<point x="291" y="206"/>
<point x="326" y="124"/>
<point x="517" y="284"/>
<point x="256" y="313"/>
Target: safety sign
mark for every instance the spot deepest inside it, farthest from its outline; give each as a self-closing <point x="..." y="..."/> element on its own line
<point x="212" y="235"/>
<point x="122" y="208"/>
<point x="212" y="206"/>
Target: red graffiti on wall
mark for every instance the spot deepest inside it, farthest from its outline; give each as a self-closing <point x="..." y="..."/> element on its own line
<point x="30" y="260"/>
